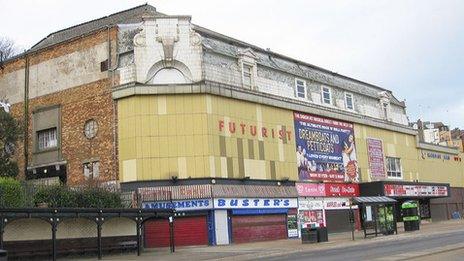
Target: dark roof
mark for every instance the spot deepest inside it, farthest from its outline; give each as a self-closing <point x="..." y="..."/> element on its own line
<point x="133" y="15"/>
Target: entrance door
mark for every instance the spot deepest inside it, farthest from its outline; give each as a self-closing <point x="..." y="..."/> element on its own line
<point x="252" y="228"/>
<point x="188" y="231"/>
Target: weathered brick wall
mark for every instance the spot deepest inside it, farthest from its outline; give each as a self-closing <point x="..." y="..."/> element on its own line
<point x="80" y="98"/>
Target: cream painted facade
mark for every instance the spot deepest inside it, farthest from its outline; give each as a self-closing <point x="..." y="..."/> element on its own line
<point x="208" y="136"/>
<point x="192" y="136"/>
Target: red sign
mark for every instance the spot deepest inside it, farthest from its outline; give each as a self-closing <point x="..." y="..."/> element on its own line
<point x="375" y="159"/>
<point x="310" y="189"/>
<point x="327" y="189"/>
<point x="395" y="190"/>
<point x="341" y="190"/>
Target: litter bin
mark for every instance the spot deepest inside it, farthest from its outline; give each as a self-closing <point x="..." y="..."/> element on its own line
<point x="308" y="235"/>
<point x="322" y="234"/>
<point x="3" y="255"/>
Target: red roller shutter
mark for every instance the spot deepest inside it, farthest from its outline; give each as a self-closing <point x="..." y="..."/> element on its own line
<point x="188" y="231"/>
<point x="258" y="228"/>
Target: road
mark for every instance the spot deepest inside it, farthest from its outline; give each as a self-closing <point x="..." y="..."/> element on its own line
<point x="446" y="246"/>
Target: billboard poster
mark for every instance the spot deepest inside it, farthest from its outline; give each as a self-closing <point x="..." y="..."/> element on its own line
<point x="375" y="159"/>
<point x="325" y="149"/>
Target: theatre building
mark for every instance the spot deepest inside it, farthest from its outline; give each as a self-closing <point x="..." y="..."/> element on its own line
<point x="246" y="144"/>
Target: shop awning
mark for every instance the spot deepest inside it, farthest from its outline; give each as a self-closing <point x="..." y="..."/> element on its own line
<point x="373" y="200"/>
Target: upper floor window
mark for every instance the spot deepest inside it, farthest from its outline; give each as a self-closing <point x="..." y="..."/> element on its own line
<point x="393" y="167"/>
<point x="349" y="101"/>
<point x="300" y="87"/>
<point x="326" y="95"/>
<point x="247" y="75"/>
<point x="47" y="139"/>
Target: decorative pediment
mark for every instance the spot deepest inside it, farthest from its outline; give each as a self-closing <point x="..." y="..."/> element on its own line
<point x="248" y="52"/>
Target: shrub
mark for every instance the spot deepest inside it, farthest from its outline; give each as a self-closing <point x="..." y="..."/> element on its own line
<point x="98" y="198"/>
<point x="62" y="196"/>
<point x="56" y="196"/>
<point x="11" y="193"/>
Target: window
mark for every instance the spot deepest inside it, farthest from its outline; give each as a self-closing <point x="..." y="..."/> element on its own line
<point x="47" y="139"/>
<point x="300" y="87"/>
<point x="393" y="167"/>
<point x="349" y="102"/>
<point x="247" y="75"/>
<point x="385" y="110"/>
<point x="326" y="95"/>
<point x="90" y="129"/>
<point x="91" y="169"/>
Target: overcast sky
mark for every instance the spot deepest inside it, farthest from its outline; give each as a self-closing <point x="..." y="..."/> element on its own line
<point x="414" y="48"/>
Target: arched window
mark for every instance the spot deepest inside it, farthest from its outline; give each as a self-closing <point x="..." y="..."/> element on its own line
<point x="169" y="76"/>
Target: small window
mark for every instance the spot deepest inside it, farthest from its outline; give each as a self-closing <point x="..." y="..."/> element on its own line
<point x="300" y="87"/>
<point x="47" y="139"/>
<point x="326" y="95"/>
<point x="90" y="129"/>
<point x="393" y="167"/>
<point x="247" y="75"/>
<point x="91" y="169"/>
<point x="349" y="102"/>
<point x="385" y="110"/>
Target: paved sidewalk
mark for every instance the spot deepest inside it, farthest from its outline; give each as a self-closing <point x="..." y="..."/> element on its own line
<point x="257" y="250"/>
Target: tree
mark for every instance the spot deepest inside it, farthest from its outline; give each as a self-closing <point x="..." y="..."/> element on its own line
<point x="10" y="132"/>
<point x="7" y="48"/>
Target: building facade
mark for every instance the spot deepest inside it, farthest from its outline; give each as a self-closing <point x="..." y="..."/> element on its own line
<point x="214" y="127"/>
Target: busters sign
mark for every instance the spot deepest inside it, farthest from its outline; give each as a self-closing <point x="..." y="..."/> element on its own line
<point x="255" y="203"/>
<point x="325" y="149"/>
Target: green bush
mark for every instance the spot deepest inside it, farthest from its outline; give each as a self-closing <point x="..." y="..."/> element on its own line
<point x="98" y="198"/>
<point x="55" y="196"/>
<point x="11" y="193"/>
<point x="62" y="196"/>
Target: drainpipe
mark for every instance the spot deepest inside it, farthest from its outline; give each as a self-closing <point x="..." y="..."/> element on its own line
<point x="26" y="114"/>
<point x="114" y="109"/>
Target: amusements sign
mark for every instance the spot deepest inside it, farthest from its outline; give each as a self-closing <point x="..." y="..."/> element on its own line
<point x="325" y="149"/>
<point x="375" y="158"/>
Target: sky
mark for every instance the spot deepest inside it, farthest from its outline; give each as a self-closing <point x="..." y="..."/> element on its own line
<point x="413" y="48"/>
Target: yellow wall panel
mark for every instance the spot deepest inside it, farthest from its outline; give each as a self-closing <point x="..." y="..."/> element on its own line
<point x="179" y="134"/>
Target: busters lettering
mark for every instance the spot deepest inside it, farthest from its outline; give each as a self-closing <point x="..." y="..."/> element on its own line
<point x="232" y="127"/>
<point x="255" y="203"/>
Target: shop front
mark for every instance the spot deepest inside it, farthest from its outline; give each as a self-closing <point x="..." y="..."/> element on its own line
<point x="401" y="191"/>
<point x="254" y="213"/>
<point x="327" y="205"/>
<point x="193" y="221"/>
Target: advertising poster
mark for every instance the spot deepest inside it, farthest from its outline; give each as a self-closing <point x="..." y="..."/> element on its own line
<point x="375" y="158"/>
<point x="312" y="218"/>
<point x="292" y="226"/>
<point x="325" y="149"/>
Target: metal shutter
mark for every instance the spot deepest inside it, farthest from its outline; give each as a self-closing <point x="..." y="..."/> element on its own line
<point x="188" y="231"/>
<point x="258" y="228"/>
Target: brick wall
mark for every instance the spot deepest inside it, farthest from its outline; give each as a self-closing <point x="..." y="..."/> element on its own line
<point x="82" y="91"/>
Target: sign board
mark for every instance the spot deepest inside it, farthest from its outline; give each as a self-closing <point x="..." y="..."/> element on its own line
<point x="337" y="203"/>
<point x="227" y="203"/>
<point x="398" y="190"/>
<point x="327" y="189"/>
<point x="376" y="159"/>
<point x="310" y="204"/>
<point x="181" y="205"/>
<point x="325" y="149"/>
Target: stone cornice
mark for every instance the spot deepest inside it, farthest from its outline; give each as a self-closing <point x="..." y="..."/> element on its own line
<point x="219" y="89"/>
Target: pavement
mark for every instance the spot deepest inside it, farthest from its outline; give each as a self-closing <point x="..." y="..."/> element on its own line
<point x="432" y="240"/>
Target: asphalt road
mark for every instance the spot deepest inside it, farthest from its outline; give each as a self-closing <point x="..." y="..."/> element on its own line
<point x="431" y="247"/>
